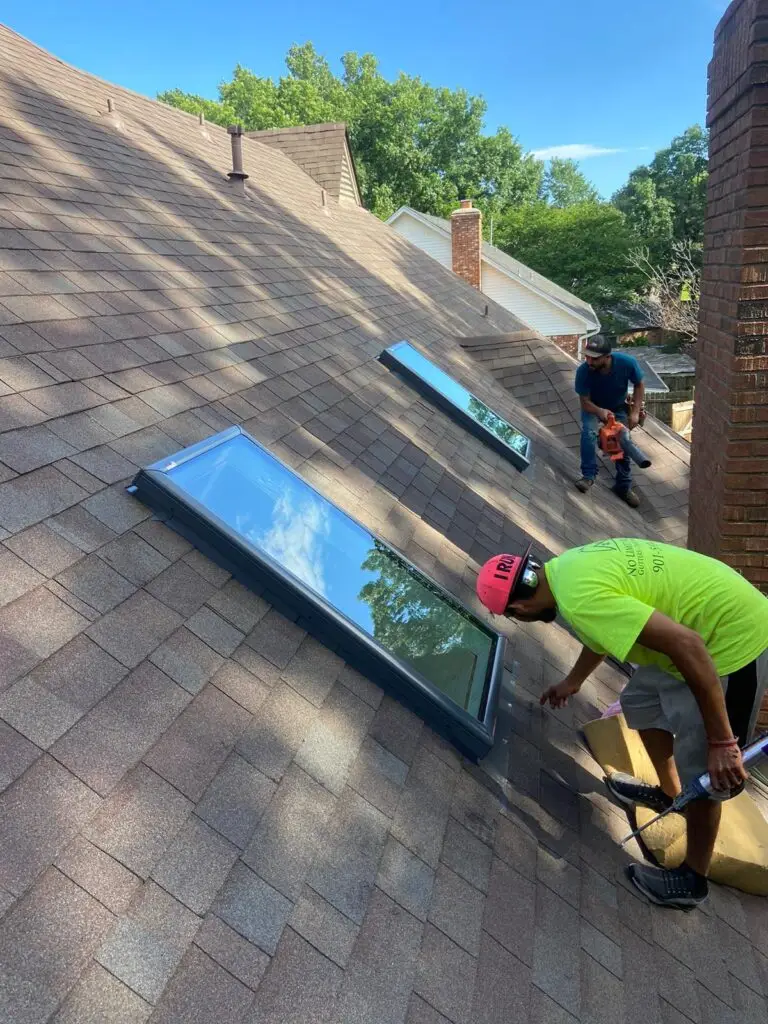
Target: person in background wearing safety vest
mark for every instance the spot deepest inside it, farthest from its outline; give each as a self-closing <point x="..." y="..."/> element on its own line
<point x="699" y="632"/>
<point x="602" y="384"/>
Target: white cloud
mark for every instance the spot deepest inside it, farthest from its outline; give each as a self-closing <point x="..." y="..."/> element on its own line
<point x="574" y="151"/>
<point x="297" y="536"/>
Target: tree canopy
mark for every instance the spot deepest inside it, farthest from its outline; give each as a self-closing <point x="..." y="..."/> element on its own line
<point x="666" y="200"/>
<point x="419" y="145"/>
<point x="565" y="185"/>
<point x="413" y="143"/>
<point x="583" y="247"/>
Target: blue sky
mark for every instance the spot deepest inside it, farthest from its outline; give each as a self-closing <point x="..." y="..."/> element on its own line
<point x="601" y="74"/>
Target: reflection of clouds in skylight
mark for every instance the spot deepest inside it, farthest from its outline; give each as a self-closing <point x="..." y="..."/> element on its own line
<point x="296" y="537"/>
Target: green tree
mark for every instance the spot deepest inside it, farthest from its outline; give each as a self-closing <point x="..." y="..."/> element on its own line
<point x="584" y="248"/>
<point x="214" y="110"/>
<point x="680" y="175"/>
<point x="565" y="185"/>
<point x="665" y="201"/>
<point x="649" y="214"/>
<point x="413" y="143"/>
<point x="252" y="100"/>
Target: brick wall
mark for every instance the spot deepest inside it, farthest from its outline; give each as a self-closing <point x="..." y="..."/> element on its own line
<point x="729" y="470"/>
<point x="567" y="342"/>
<point x="466" y="243"/>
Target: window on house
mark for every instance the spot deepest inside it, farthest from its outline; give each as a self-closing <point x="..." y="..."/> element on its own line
<point x="458" y="402"/>
<point x="279" y="535"/>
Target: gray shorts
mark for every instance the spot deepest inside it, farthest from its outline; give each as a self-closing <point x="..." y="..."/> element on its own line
<point x="652" y="699"/>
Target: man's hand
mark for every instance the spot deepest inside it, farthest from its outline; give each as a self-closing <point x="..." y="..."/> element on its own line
<point x="558" y="695"/>
<point x="726" y="767"/>
<point x="633" y="419"/>
<point x="603" y="414"/>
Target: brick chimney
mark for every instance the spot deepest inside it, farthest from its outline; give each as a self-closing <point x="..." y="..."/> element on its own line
<point x="729" y="470"/>
<point x="467" y="243"/>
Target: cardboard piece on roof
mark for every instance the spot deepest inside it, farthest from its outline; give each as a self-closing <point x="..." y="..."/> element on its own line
<point x="741" y="851"/>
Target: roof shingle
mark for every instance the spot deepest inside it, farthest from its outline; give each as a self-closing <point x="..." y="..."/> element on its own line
<point x="146" y="305"/>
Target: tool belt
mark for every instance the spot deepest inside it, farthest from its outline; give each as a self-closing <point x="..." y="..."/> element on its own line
<point x="642" y="410"/>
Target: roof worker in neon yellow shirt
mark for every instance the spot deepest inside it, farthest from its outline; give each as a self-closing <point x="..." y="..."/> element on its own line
<point x="699" y="632"/>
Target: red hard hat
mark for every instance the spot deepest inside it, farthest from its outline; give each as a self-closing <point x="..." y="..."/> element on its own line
<point x="498" y="578"/>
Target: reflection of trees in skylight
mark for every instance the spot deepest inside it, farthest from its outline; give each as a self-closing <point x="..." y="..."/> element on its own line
<point x="463" y="400"/>
<point x="410" y="617"/>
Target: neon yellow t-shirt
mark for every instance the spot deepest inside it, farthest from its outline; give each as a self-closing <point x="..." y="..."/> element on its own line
<point x="607" y="592"/>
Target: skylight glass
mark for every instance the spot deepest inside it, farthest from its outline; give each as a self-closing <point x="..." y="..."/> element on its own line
<point x="284" y="526"/>
<point x="455" y="399"/>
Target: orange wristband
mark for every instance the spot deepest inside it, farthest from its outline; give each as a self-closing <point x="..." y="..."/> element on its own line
<point x="733" y="742"/>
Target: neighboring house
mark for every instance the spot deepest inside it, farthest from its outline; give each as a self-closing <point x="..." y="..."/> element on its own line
<point x="676" y="371"/>
<point x="206" y="813"/>
<point x="322" y="150"/>
<point x="540" y="303"/>
<point x="626" y="322"/>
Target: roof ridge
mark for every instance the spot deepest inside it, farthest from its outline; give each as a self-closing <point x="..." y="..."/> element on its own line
<point x="103" y="81"/>
<point x="314" y="125"/>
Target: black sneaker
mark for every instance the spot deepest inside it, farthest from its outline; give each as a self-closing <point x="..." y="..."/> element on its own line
<point x="681" y="888"/>
<point x="630" y="497"/>
<point x="584" y="485"/>
<point x="630" y="791"/>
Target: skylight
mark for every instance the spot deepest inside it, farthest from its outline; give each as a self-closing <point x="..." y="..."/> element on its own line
<point x="442" y="390"/>
<point x="276" y="533"/>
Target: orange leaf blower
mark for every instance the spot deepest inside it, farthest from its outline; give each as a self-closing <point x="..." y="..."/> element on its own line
<point x="609" y="438"/>
<point x="614" y="439"/>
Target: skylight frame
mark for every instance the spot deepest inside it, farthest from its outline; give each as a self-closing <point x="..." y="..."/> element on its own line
<point x="389" y="358"/>
<point x="262" y="573"/>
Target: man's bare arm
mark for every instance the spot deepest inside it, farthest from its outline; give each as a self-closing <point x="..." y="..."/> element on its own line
<point x="688" y="653"/>
<point x="586" y="663"/>
<point x="589" y="406"/>
<point x="638" y="395"/>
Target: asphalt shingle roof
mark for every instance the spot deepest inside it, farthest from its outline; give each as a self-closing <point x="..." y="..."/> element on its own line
<point x="667" y="363"/>
<point x="204" y="813"/>
<point x="322" y="150"/>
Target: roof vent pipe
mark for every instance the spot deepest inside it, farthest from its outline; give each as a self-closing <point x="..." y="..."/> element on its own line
<point x="237" y="175"/>
<point x="112" y="116"/>
<point x="203" y="126"/>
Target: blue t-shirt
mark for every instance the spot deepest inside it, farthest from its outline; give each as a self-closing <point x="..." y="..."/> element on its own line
<point x="609" y="390"/>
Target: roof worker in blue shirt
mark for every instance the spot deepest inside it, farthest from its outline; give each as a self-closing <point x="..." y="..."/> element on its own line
<point x="602" y="384"/>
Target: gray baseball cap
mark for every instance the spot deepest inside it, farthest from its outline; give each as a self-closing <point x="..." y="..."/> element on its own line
<point x="597" y="345"/>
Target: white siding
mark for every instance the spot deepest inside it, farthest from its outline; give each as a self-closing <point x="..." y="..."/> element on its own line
<point x="533" y="309"/>
<point x="347" y="187"/>
<point x="543" y="316"/>
<point x="435" y="244"/>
